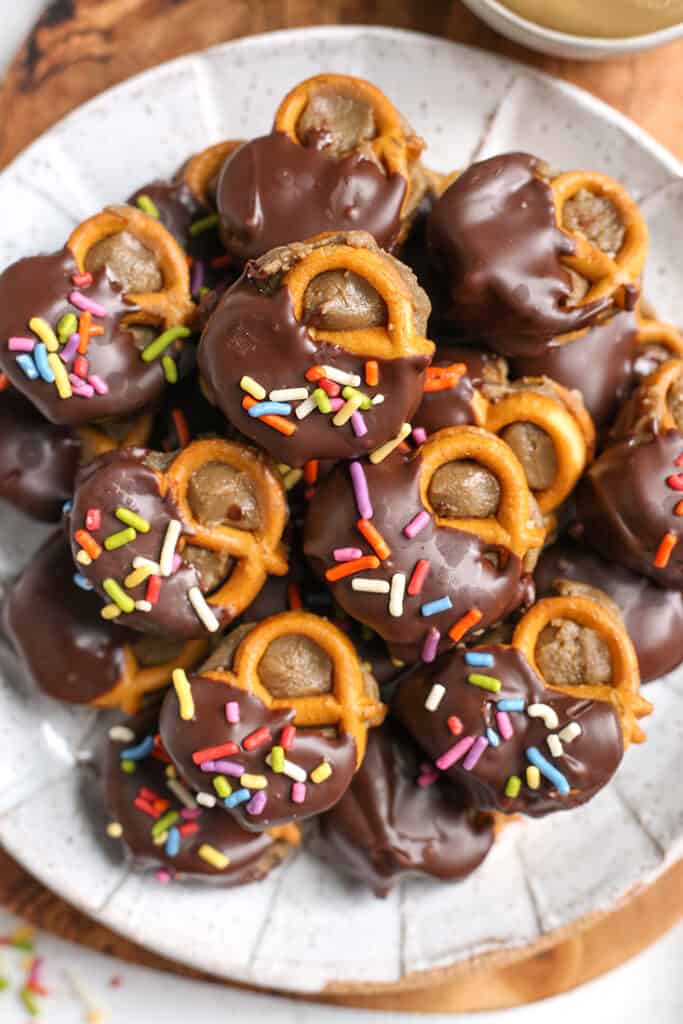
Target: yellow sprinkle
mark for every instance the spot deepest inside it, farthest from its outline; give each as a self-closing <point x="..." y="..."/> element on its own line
<point x="253" y="388"/>
<point x="253" y="781"/>
<point x="533" y="777"/>
<point x="380" y="454"/>
<point x="110" y="611"/>
<point x="45" y="333"/>
<point x="213" y="857"/>
<point x="347" y="410"/>
<point x="160" y="840"/>
<point x="62" y="382"/>
<point x="171" y="773"/>
<point x="83" y="557"/>
<point x="137" y="576"/>
<point x="283" y="469"/>
<point x="115" y="829"/>
<point x="397" y="663"/>
<point x="321" y="773"/>
<point x="292" y="478"/>
<point x="184" y="694"/>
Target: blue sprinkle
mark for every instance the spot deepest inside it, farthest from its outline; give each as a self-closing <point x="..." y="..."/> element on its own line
<point x="140" y="752"/>
<point x="81" y="581"/>
<point x="42" y="365"/>
<point x="270" y="409"/>
<point x="516" y="704"/>
<point x="27" y="365"/>
<point x="493" y="737"/>
<point x="66" y="507"/>
<point x="545" y="768"/>
<point x="443" y="604"/>
<point x="173" y="843"/>
<point x="240" y="796"/>
<point x="477" y="658"/>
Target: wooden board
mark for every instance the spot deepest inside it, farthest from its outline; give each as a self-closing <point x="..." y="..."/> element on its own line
<point x="80" y="47"/>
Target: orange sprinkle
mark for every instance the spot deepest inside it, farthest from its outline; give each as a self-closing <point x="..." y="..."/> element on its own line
<point x="84" y="326"/>
<point x="349" y="568"/>
<point x="372" y="373"/>
<point x="278" y="423"/>
<point x="440" y="378"/>
<point x="314" y="373"/>
<point x="96" y="331"/>
<point x="678" y="511"/>
<point x="404" y="448"/>
<point x="294" y="597"/>
<point x="88" y="543"/>
<point x="374" y="538"/>
<point x="311" y="471"/>
<point x="458" y="630"/>
<point x="4" y="382"/>
<point x="181" y="427"/>
<point x="666" y="546"/>
<point x="222" y="261"/>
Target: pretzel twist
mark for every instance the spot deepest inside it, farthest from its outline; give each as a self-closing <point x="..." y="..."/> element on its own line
<point x="656" y="332"/>
<point x="136" y="682"/>
<point x="511" y="527"/>
<point x="203" y="167"/>
<point x="172" y="305"/>
<point x="623" y="691"/>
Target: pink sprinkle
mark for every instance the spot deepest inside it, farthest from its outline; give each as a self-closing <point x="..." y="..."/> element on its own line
<point x="232" y="712"/>
<point x="21" y="344"/>
<point x="336" y="404"/>
<point x="81" y="301"/>
<point x="346" y="554"/>
<point x="504" y="724"/>
<point x="478" y="748"/>
<point x="427" y="778"/>
<point x="454" y="753"/>
<point x="190" y="813"/>
<point x="257" y="802"/>
<point x="177" y="562"/>
<point x="69" y="350"/>
<point x="419" y="435"/>
<point x="358" y="423"/>
<point x="79" y="388"/>
<point x="360" y="490"/>
<point x="36" y="969"/>
<point x="431" y="644"/>
<point x="225" y="767"/>
<point x="163" y="876"/>
<point x="417" y="524"/>
<point x="96" y="381"/>
<point x="298" y="792"/>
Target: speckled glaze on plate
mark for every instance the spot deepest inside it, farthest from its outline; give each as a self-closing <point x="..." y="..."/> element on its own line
<point x="304" y="929"/>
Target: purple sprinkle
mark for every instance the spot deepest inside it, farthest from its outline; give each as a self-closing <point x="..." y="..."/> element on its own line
<point x="69" y="350"/>
<point x="478" y="748"/>
<point x="358" y="423"/>
<point x="190" y="813"/>
<point x="346" y="554"/>
<point x="431" y="644"/>
<point x="224" y="767"/>
<point x="98" y="384"/>
<point x="454" y="753"/>
<point x="417" y="524"/>
<point x="81" y="301"/>
<point x="298" y="792"/>
<point x="232" y="712"/>
<point x="177" y="562"/>
<point x="257" y="802"/>
<point x="419" y="435"/>
<point x="504" y="724"/>
<point x="336" y="404"/>
<point x="197" y="276"/>
<point x="21" y="344"/>
<point x="360" y="490"/>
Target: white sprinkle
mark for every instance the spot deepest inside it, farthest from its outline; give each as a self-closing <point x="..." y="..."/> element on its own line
<point x="121" y="734"/>
<point x="555" y="745"/>
<point x="544" y="711"/>
<point x="291" y="770"/>
<point x="288" y="395"/>
<point x="173" y="531"/>
<point x="570" y="732"/>
<point x="370" y="586"/>
<point x="434" y="697"/>
<point x="140" y="562"/>
<point x="204" y="613"/>
<point x="182" y="793"/>
<point x="143" y="606"/>
<point x="396" y="592"/>
<point x="347" y="410"/>
<point x="306" y="408"/>
<point x="206" y="799"/>
<point x="83" y="557"/>
<point x="378" y="399"/>
<point x="341" y="376"/>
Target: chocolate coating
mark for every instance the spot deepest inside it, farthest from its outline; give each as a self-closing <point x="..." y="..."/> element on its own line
<point x="252" y="855"/>
<point x="459" y="568"/>
<point x="272" y="191"/>
<point x="38" y="460"/>
<point x="494" y="237"/>
<point x="653" y="616"/>
<point x="626" y="506"/>
<point x="386" y="826"/>
<point x="454" y="406"/>
<point x="209" y="728"/>
<point x="588" y="762"/>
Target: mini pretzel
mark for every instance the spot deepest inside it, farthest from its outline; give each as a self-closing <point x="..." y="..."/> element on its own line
<point x="624" y="689"/>
<point x="348" y="706"/>
<point x="96" y="441"/>
<point x="203" y="167"/>
<point x="136" y="682"/>
<point x="566" y="422"/>
<point x="172" y="305"/>
<point x="511" y="528"/>
<point x="607" y="276"/>
<point x="648" y="407"/>
<point x="395" y="340"/>
<point x="656" y="332"/>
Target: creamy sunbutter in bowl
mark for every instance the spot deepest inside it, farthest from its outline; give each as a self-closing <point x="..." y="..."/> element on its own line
<point x="584" y="29"/>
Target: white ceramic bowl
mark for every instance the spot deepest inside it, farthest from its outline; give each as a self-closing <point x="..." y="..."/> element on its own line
<point x="564" y="44"/>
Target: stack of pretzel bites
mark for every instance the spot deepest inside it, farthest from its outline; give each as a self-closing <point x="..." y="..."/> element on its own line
<point x="367" y="485"/>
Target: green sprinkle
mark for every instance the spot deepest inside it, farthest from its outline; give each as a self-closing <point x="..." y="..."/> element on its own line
<point x="119" y="539"/>
<point x="161" y="343"/>
<point x="67" y="326"/>
<point x="170" y="369"/>
<point x="204" y="290"/>
<point x="513" y="786"/>
<point x="118" y="595"/>
<point x="4" y="983"/>
<point x="277" y="759"/>
<point x="163" y="823"/>
<point x="29" y="1001"/>
<point x="147" y="205"/>
<point x="322" y="400"/>
<point x="125" y="515"/>
<point x="349" y="392"/>
<point x="205" y="224"/>
<point x="222" y="786"/>
<point x="485" y="682"/>
<point x="128" y="766"/>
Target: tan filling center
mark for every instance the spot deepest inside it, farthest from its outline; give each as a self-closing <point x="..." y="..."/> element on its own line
<point x="128" y="261"/>
<point x="464" y="489"/>
<point x="336" y="123"/>
<point x="536" y="452"/>
<point x="339" y="300"/>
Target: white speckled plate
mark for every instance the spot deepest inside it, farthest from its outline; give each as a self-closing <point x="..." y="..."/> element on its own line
<point x="303" y="928"/>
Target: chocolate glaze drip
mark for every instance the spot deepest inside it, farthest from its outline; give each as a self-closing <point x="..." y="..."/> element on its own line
<point x="272" y="191"/>
<point x="653" y="616"/>
<point x="386" y="826"/>
<point x="252" y="855"/>
<point x="38" y="460"/>
<point x="625" y="506"/>
<point x="600" y="363"/>
<point x="458" y="566"/>
<point x="493" y="235"/>
<point x="209" y="728"/>
<point x="453" y="406"/>
<point x="55" y="627"/>
<point x="588" y="762"/>
<point x="257" y="335"/>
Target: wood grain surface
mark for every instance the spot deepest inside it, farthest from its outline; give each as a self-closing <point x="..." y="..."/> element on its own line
<point x="80" y="47"/>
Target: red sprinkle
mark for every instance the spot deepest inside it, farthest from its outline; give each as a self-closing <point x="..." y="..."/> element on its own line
<point x="82" y="280"/>
<point x="145" y="807"/>
<point x="256" y="739"/>
<point x="455" y="725"/>
<point x="294" y="597"/>
<point x="314" y="373"/>
<point x="420" y="573"/>
<point x="93" y="519"/>
<point x="4" y="382"/>
<point x="330" y="387"/>
<point x="675" y="481"/>
<point x="222" y="261"/>
<point x="311" y="471"/>
<point x="153" y="589"/>
<point x="189" y="828"/>
<point x="81" y="366"/>
<point x="679" y="460"/>
<point x="213" y="753"/>
<point x="181" y="427"/>
<point x="148" y="794"/>
<point x="287" y="737"/>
